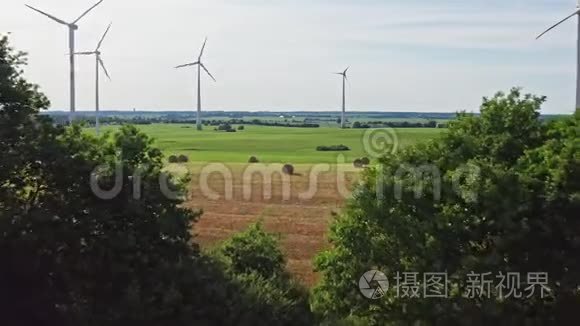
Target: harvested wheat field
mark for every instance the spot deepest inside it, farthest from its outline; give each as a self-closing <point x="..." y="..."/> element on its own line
<point x="298" y="208"/>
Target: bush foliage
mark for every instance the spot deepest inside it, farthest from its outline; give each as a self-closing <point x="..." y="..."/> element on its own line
<point x="182" y="159"/>
<point x="254" y="259"/>
<point x="226" y="127"/>
<point x="333" y="148"/>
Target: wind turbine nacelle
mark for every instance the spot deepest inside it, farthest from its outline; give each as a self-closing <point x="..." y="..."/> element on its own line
<point x="73" y="27"/>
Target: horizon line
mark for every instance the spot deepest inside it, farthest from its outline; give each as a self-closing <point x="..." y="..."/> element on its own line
<point x="193" y="111"/>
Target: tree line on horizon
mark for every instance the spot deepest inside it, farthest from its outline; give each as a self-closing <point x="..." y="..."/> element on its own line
<point x="293" y="123"/>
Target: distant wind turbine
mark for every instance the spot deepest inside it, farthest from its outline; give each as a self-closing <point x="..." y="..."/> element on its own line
<point x="72" y="27"/>
<point x="576" y="13"/>
<point x="98" y="62"/>
<point x="344" y="78"/>
<point x="199" y="65"/>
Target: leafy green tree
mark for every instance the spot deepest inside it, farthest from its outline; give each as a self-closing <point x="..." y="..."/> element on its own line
<point x="20" y="102"/>
<point x="254" y="259"/>
<point x="25" y="293"/>
<point x="254" y="250"/>
<point x="508" y="203"/>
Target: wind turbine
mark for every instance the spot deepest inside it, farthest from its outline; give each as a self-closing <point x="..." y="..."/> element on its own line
<point x="72" y="27"/>
<point x="576" y="13"/>
<point x="98" y="62"/>
<point x="344" y="79"/>
<point x="199" y="65"/>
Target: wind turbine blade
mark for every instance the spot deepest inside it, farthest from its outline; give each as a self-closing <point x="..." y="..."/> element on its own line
<point x="207" y="71"/>
<point x="202" y="48"/>
<point x="84" y="53"/>
<point x="88" y="10"/>
<point x="187" y="65"/>
<point x="104" y="69"/>
<point x="48" y="15"/>
<point x="347" y="80"/>
<point x="345" y="70"/>
<point x="103" y="38"/>
<point x="560" y="22"/>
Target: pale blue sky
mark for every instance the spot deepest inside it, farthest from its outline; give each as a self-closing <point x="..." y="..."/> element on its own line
<point x="412" y="55"/>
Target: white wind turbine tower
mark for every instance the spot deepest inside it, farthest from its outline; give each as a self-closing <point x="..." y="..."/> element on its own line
<point x="72" y="27"/>
<point x="344" y="78"/>
<point x="98" y="62"/>
<point x="576" y="13"/>
<point x="199" y="65"/>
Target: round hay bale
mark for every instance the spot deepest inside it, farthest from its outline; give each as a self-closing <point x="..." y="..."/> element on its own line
<point x="365" y="161"/>
<point x="357" y="163"/>
<point x="288" y="169"/>
<point x="172" y="159"/>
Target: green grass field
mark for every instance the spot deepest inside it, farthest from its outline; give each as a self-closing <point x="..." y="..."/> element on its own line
<point x="269" y="144"/>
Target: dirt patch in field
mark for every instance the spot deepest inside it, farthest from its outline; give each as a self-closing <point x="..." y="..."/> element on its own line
<point x="300" y="215"/>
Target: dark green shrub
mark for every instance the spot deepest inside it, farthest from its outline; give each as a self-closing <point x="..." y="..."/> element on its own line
<point x="226" y="127"/>
<point x="182" y="159"/>
<point x="254" y="260"/>
<point x="357" y="163"/>
<point x="333" y="148"/>
<point x="173" y="159"/>
<point x="358" y="125"/>
<point x="241" y="127"/>
<point x="253" y="159"/>
<point x="254" y="251"/>
<point x="365" y="161"/>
